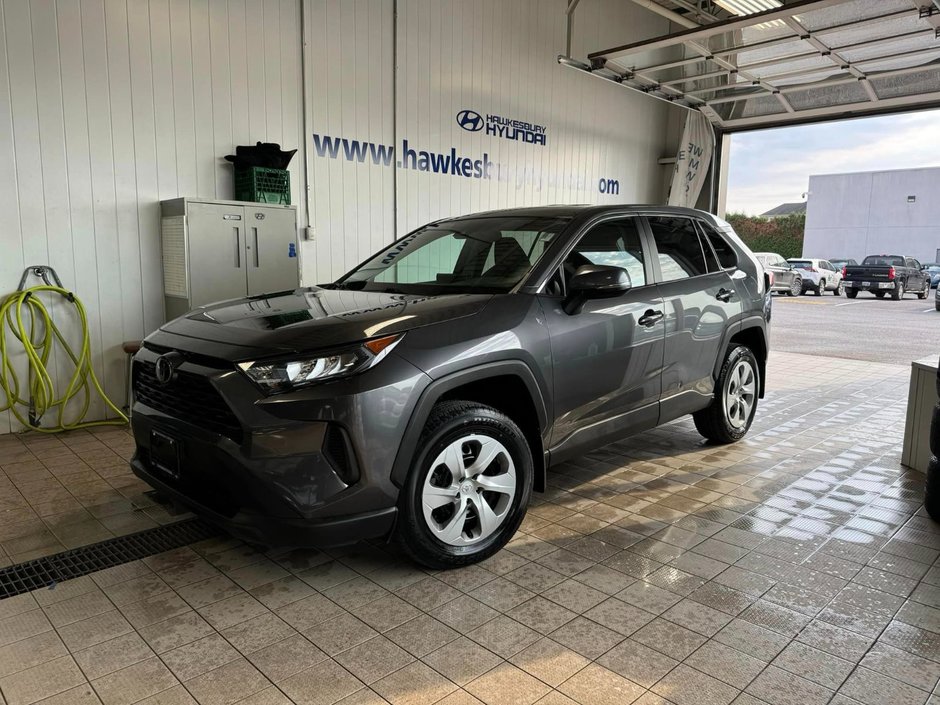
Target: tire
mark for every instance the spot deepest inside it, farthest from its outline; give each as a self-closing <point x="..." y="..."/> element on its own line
<point x="839" y="290"/>
<point x="796" y="288"/>
<point x="716" y="423"/>
<point x="898" y="292"/>
<point x="935" y="431"/>
<point x="926" y="291"/>
<point x="851" y="293"/>
<point x="821" y="287"/>
<point x="937" y="306"/>
<point x="464" y="427"/>
<point x="879" y="294"/>
<point x="932" y="489"/>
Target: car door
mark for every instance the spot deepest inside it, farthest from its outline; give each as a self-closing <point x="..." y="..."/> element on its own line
<point x="700" y="301"/>
<point x="606" y="357"/>
<point x="784" y="270"/>
<point x="917" y="277"/>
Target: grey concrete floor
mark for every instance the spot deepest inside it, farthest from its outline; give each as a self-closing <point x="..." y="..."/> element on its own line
<point x="866" y="328"/>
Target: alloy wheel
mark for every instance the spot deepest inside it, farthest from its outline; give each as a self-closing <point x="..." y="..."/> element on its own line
<point x="740" y="394"/>
<point x="469" y="490"/>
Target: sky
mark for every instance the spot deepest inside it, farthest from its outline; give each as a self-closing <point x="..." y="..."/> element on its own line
<point x="770" y="167"/>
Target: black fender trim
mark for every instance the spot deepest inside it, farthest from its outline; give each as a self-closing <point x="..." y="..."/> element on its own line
<point x="748" y="323"/>
<point x="434" y="391"/>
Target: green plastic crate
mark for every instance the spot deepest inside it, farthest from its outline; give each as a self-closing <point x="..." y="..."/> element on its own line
<point x="262" y="185"/>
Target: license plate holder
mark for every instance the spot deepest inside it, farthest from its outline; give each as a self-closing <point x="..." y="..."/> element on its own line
<point x="165" y="453"/>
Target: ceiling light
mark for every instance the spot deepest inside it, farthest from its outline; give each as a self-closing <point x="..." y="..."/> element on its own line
<point x="748" y="7"/>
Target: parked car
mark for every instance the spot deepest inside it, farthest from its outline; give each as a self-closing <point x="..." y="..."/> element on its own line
<point x="840" y="263"/>
<point x="933" y="271"/>
<point x="785" y="278"/>
<point x="887" y="274"/>
<point x="819" y="276"/>
<point x="423" y="395"/>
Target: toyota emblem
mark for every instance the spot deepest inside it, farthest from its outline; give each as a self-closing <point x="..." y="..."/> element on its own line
<point x="165" y="367"/>
<point x="470" y="120"/>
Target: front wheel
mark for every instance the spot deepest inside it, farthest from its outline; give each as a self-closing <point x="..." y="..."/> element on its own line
<point x="925" y="292"/>
<point x="468" y="487"/>
<point x="796" y="288"/>
<point x="840" y="290"/>
<point x="821" y="287"/>
<point x="898" y="292"/>
<point x="851" y="293"/>
<point x="731" y="412"/>
<point x="879" y="294"/>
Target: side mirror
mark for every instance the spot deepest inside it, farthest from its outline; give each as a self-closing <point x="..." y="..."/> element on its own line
<point x="594" y="281"/>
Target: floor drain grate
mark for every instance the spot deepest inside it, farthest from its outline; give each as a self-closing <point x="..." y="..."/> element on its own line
<point x="49" y="570"/>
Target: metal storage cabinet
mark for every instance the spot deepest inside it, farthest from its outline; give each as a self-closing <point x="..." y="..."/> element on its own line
<point x="217" y="250"/>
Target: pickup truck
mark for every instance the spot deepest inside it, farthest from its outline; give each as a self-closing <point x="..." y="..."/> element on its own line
<point x="886" y="274"/>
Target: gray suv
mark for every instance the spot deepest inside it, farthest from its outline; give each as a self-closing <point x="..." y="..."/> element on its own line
<point x="423" y="396"/>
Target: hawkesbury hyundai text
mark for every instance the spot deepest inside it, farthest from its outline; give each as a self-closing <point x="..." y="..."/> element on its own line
<point x="423" y="396"/>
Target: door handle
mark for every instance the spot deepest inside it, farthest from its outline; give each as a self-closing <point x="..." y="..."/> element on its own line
<point x="254" y="232"/>
<point x="651" y="318"/>
<point x="238" y="248"/>
<point x="724" y="295"/>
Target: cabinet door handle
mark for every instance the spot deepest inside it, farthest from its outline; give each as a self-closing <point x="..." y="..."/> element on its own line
<point x="238" y="248"/>
<point x="254" y="232"/>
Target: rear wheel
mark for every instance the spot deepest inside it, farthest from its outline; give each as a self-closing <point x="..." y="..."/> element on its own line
<point x="821" y="287"/>
<point x="731" y="413"/>
<point x="468" y="488"/>
<point x="898" y="292"/>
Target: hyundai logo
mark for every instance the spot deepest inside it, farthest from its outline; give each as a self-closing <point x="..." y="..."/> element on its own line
<point x="470" y="120"/>
<point x="165" y="367"/>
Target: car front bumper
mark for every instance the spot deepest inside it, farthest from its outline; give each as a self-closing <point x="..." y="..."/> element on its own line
<point x="307" y="468"/>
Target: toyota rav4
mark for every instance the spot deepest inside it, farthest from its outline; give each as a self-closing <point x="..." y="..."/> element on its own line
<point x="423" y="396"/>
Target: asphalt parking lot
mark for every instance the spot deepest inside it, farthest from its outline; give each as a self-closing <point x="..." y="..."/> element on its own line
<point x="866" y="328"/>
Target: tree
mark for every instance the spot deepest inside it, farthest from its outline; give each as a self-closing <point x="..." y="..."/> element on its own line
<point x="782" y="235"/>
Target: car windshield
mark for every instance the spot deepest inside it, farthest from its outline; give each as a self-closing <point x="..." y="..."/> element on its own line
<point x="479" y="255"/>
<point x="884" y="260"/>
<point x="801" y="263"/>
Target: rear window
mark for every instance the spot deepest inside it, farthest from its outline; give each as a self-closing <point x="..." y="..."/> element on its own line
<point x="801" y="264"/>
<point x="884" y="260"/>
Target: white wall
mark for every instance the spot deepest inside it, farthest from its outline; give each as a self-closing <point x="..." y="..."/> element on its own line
<point x="108" y="107"/>
<point x="489" y="56"/>
<point x="854" y="215"/>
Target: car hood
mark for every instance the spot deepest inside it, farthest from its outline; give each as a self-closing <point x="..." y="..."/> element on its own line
<point x="308" y="319"/>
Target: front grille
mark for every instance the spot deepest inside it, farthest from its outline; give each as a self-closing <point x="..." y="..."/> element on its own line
<point x="188" y="397"/>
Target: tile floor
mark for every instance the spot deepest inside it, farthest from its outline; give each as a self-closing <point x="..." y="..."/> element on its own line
<point x="63" y="491"/>
<point x="794" y="568"/>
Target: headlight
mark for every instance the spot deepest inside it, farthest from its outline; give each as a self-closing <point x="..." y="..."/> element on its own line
<point x="284" y="375"/>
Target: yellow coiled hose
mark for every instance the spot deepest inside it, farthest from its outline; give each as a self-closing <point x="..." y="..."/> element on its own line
<point x="29" y="322"/>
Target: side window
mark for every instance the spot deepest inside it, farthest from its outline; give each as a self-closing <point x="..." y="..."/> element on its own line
<point x="681" y="254"/>
<point x="613" y="242"/>
<point x="727" y="257"/>
<point x="914" y="264"/>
